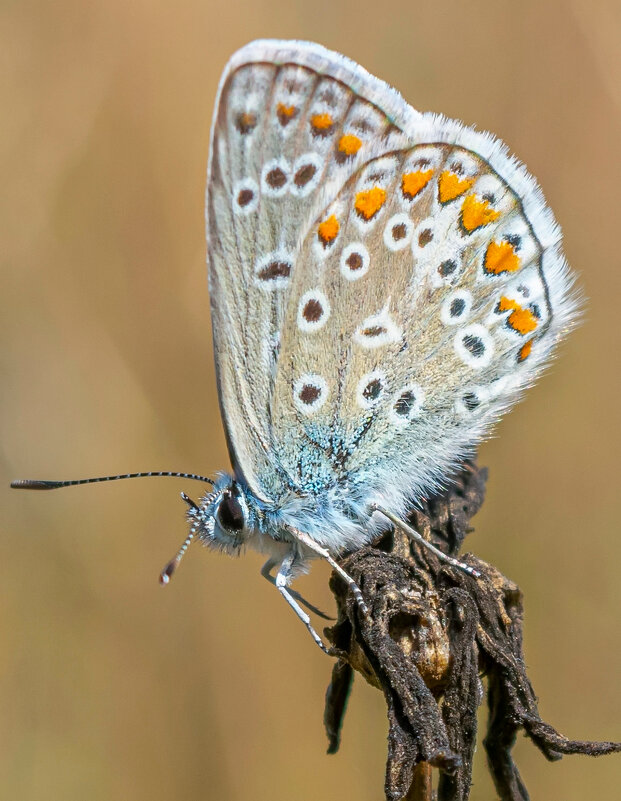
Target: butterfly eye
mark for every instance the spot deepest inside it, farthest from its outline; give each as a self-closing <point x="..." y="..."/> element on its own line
<point x="230" y="513"/>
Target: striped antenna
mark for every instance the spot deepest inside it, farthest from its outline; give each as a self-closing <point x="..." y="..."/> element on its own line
<point x="39" y="484"/>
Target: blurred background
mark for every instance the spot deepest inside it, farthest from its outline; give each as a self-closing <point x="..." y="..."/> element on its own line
<point x="111" y="687"/>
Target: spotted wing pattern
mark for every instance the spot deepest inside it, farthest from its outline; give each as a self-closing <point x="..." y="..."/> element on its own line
<point x="292" y="125"/>
<point x="417" y="323"/>
<point x="379" y="297"/>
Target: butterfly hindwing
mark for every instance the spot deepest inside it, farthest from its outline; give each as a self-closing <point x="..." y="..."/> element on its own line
<point x="417" y="326"/>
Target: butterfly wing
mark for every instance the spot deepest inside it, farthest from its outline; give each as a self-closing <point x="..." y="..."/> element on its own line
<point x="439" y="298"/>
<point x="292" y="124"/>
<point x="384" y="283"/>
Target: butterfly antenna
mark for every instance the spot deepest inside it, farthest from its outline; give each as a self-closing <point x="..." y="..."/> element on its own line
<point x="39" y="484"/>
<point x="167" y="572"/>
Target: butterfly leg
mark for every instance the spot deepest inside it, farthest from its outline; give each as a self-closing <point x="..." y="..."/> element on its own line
<point x="416" y="537"/>
<point x="324" y="553"/>
<point x="266" y="572"/>
<point x="283" y="577"/>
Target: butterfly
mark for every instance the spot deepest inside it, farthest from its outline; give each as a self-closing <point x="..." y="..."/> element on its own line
<point x="384" y="284"/>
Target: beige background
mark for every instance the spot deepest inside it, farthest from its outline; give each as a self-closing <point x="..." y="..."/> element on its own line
<point x="112" y="688"/>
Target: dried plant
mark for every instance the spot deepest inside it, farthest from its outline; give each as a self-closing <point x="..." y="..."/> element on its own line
<point x="432" y="634"/>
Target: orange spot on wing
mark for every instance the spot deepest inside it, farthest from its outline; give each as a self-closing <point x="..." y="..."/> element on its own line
<point x="524" y="351"/>
<point x="476" y="213"/>
<point x="322" y="123"/>
<point x="328" y="230"/>
<point x="285" y="113"/>
<point x="246" y="121"/>
<point x="504" y="304"/>
<point x="349" y="144"/>
<point x="413" y="182"/>
<point x="369" y="202"/>
<point x="450" y="186"/>
<point x="521" y="320"/>
<point x="501" y="258"/>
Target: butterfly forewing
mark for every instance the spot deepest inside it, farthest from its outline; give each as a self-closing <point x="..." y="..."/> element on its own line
<point x="287" y="136"/>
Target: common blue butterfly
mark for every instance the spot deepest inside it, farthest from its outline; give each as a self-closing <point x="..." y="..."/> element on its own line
<point x="384" y="284"/>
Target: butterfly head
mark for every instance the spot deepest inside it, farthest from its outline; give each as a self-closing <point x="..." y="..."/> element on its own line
<point x="222" y="520"/>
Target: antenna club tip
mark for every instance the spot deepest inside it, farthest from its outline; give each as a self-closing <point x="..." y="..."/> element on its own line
<point x="32" y="483"/>
<point x="167" y="572"/>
